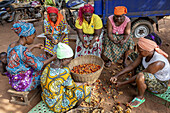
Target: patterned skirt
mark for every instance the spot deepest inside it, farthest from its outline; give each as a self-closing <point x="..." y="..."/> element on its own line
<point x="49" y="46"/>
<point x="153" y="84"/>
<point x="60" y="92"/>
<point x="96" y="50"/>
<point x="115" y="51"/>
<point x="26" y="81"/>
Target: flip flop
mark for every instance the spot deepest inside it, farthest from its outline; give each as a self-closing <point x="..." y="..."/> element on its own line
<point x="137" y="99"/>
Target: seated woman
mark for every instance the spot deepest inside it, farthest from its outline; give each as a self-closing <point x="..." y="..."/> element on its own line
<point x="56" y="30"/>
<point x="89" y="30"/>
<point x="155" y="73"/>
<point x="59" y="91"/>
<point x="152" y="36"/>
<point x="24" y="69"/>
<point x="119" y="39"/>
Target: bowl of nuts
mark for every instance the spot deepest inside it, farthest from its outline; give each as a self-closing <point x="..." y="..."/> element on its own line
<point x="86" y="68"/>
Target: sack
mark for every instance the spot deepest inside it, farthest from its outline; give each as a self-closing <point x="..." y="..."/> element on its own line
<point x="154" y="37"/>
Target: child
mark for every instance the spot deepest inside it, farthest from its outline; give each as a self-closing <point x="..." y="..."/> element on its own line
<point x="3" y="62"/>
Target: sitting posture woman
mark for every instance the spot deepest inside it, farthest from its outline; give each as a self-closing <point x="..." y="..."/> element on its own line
<point x="55" y="30"/>
<point x="59" y="91"/>
<point x="89" y="30"/>
<point x="24" y="69"/>
<point x="155" y="73"/>
<point x="119" y="39"/>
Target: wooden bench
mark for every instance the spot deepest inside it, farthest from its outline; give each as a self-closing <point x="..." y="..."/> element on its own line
<point x="72" y="37"/>
<point x="22" y="98"/>
<point x="30" y="20"/>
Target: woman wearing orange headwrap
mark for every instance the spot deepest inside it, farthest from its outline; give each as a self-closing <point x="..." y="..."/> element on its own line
<point x="56" y="30"/>
<point x="89" y="29"/>
<point x="118" y="40"/>
<point x="154" y="75"/>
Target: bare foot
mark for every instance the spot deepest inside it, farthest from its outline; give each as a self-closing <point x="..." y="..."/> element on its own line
<point x="108" y="64"/>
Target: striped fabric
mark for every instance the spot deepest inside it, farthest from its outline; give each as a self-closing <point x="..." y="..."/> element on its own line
<point x="62" y="29"/>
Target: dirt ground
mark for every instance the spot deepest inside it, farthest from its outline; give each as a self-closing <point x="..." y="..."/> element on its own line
<point x="7" y="36"/>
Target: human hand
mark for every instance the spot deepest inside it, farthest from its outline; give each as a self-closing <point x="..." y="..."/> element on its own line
<point x="122" y="42"/>
<point x="116" y="42"/>
<point x="118" y="84"/>
<point x="85" y="45"/>
<point x="79" y="83"/>
<point x="113" y="80"/>
<point x="90" y="45"/>
<point x="55" y="42"/>
<point x="87" y="84"/>
<point x="48" y="36"/>
<point x="39" y="45"/>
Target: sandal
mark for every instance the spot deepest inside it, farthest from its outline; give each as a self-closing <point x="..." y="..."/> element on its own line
<point x="108" y="64"/>
<point x="137" y="99"/>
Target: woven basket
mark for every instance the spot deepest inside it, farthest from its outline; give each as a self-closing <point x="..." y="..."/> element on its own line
<point x="89" y="78"/>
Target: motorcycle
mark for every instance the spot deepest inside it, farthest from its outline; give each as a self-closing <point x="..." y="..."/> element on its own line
<point x="71" y="8"/>
<point x="33" y="10"/>
<point x="7" y="11"/>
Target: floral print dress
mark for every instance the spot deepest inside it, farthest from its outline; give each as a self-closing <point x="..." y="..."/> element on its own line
<point x="24" y="69"/>
<point x="59" y="91"/>
<point x="62" y="29"/>
<point x="96" y="50"/>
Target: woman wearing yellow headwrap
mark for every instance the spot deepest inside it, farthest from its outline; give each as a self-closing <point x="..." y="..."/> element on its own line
<point x="59" y="91"/>
<point x="118" y="40"/>
<point x="155" y="73"/>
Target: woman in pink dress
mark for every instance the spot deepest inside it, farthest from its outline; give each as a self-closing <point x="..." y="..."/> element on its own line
<point x="119" y="38"/>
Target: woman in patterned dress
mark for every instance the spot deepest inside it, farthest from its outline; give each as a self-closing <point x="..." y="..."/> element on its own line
<point x="119" y="39"/>
<point x="59" y="91"/>
<point x="24" y="69"/>
<point x="89" y="30"/>
<point x="152" y="71"/>
<point x="55" y="30"/>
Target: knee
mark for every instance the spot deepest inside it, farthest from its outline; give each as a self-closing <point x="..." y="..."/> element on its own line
<point x="140" y="77"/>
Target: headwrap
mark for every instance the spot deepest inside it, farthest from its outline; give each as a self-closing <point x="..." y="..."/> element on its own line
<point x="52" y="10"/>
<point x="23" y="29"/>
<point x="64" y="51"/>
<point x="120" y="10"/>
<point x="59" y="17"/>
<point x="87" y="8"/>
<point x="150" y="45"/>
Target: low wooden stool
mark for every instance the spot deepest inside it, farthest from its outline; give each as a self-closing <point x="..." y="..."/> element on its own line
<point x="16" y="96"/>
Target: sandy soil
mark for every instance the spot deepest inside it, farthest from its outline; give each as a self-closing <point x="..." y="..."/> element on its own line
<point x="7" y="36"/>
